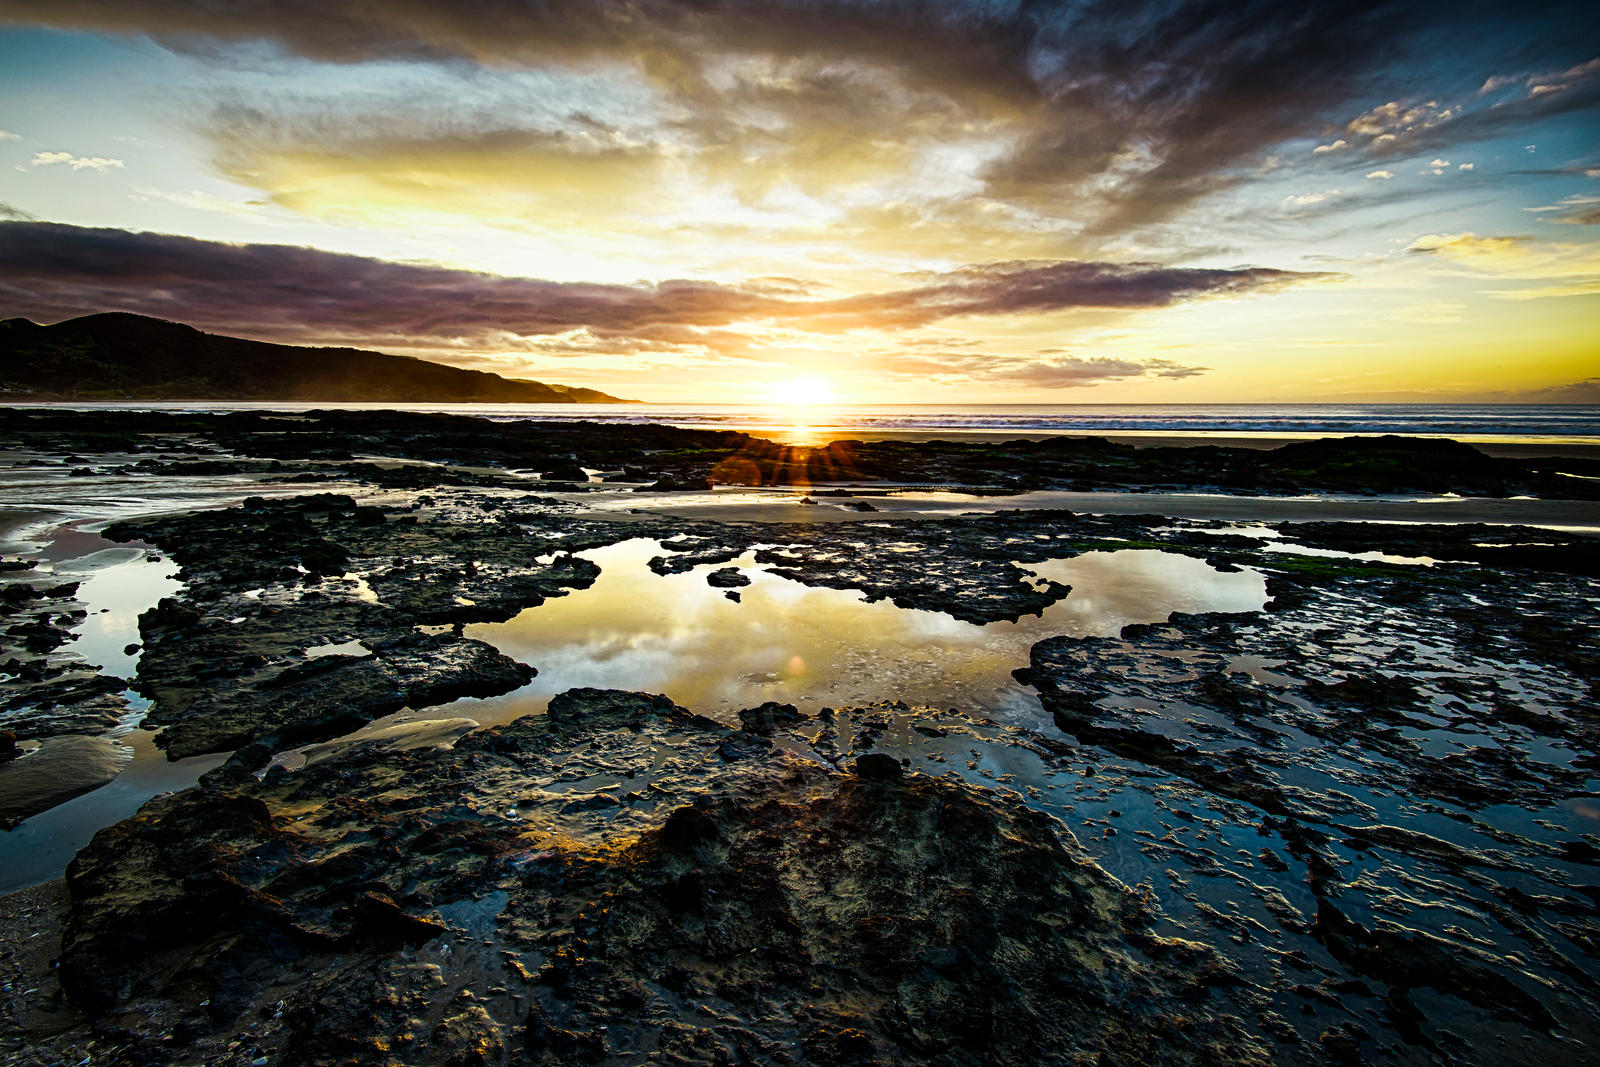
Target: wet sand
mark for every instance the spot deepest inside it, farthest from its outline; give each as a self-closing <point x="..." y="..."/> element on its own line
<point x="33" y="1013"/>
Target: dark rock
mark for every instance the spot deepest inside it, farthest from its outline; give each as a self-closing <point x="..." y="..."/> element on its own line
<point x="727" y="578"/>
<point x="767" y="717"/>
<point x="723" y="902"/>
<point x="877" y="767"/>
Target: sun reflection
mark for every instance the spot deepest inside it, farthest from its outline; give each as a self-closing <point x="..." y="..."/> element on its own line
<point x="797" y="404"/>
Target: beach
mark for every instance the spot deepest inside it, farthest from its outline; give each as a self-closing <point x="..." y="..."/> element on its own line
<point x="560" y="711"/>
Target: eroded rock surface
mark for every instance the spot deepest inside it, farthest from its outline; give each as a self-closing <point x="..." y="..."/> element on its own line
<point x="1393" y="772"/>
<point x="45" y="689"/>
<point x="622" y="880"/>
<point x="226" y="662"/>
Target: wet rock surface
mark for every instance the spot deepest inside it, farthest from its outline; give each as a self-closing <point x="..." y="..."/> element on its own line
<point x="605" y="883"/>
<point x="1395" y="776"/>
<point x="326" y="443"/>
<point x="226" y="662"/>
<point x="45" y="689"/>
<point x="1360" y="826"/>
<point x="970" y="568"/>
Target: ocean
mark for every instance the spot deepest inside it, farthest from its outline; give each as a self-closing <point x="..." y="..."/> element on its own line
<point x="1483" y="422"/>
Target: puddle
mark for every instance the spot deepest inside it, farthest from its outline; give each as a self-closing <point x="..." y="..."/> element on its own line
<point x="670" y="634"/>
<point x="117" y="585"/>
<point x="41" y="847"/>
<point x="1333" y="553"/>
<point x="342" y="648"/>
<point x="815" y="647"/>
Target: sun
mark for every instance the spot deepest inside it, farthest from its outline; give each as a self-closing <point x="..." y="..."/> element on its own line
<point x="804" y="391"/>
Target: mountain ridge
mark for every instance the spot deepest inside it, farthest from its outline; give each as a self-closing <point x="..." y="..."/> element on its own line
<point x="119" y="355"/>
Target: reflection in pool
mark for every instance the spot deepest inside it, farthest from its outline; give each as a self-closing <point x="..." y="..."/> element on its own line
<point x="116" y="586"/>
<point x="815" y="647"/>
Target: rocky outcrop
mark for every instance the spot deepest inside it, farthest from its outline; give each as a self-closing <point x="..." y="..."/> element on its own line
<point x="599" y="883"/>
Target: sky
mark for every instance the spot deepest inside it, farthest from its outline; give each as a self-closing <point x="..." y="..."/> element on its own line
<point x="967" y="201"/>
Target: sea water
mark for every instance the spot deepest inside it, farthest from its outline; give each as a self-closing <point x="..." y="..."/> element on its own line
<point x="1577" y="423"/>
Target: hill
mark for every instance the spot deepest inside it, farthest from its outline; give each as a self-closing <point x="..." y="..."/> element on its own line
<point x="121" y="356"/>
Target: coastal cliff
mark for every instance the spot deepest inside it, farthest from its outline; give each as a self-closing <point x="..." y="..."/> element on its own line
<point x="119" y="356"/>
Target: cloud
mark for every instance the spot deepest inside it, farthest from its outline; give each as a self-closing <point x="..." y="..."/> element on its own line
<point x="1383" y="174"/>
<point x="1467" y="166"/>
<point x="12" y="213"/>
<point x="1435" y="314"/>
<point x="1583" y="391"/>
<point x="96" y="163"/>
<point x="1044" y="370"/>
<point x="7" y="135"/>
<point x="285" y="293"/>
<point x="1307" y="199"/>
<point x="1410" y="127"/>
<point x="1098" y="116"/>
<point x="1575" y="210"/>
<point x="1020" y="127"/>
<point x="198" y="200"/>
<point x="1564" y="269"/>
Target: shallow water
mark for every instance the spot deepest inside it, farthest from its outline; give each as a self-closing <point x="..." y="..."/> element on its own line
<point x="815" y="647"/>
<point x="117" y="585"/>
<point x="673" y="634"/>
<point x="42" y="846"/>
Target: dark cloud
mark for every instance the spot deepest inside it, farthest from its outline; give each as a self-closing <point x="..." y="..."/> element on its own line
<point x="1584" y="391"/>
<point x="980" y="47"/>
<point x="12" y="213"/>
<point x="279" y="292"/>
<point x="1119" y="114"/>
<point x="1026" y="288"/>
<point x="1585" y="217"/>
<point x="1169" y="100"/>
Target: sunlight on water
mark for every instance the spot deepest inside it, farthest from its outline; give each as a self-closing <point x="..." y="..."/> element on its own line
<point x="117" y="586"/>
<point x="813" y="647"/>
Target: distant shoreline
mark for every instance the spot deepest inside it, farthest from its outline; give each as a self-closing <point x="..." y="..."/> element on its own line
<point x="1506" y="448"/>
<point x="768" y="423"/>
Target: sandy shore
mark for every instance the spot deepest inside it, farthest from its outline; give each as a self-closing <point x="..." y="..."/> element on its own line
<point x="31" y="1003"/>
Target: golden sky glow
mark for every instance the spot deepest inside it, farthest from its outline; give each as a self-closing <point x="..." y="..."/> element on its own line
<point x="974" y="203"/>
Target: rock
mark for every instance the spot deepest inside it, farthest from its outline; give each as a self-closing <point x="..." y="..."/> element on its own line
<point x="727" y="578"/>
<point x="877" y="767"/>
<point x="680" y="483"/>
<point x="766" y="908"/>
<point x="767" y="717"/>
<point x="426" y="733"/>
